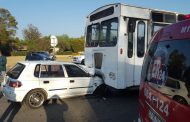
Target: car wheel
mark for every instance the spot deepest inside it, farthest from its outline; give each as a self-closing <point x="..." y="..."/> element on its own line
<point x="180" y="99"/>
<point x="35" y="99"/>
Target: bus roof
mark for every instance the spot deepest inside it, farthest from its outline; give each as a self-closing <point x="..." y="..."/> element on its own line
<point x="122" y="4"/>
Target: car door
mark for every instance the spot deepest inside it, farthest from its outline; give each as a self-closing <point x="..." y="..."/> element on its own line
<point x="52" y="79"/>
<point x="80" y="82"/>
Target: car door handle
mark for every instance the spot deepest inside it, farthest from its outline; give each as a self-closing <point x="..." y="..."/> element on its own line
<point x="45" y="82"/>
<point x="72" y="81"/>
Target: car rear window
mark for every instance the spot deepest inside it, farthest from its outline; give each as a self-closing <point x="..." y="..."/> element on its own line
<point x="167" y="68"/>
<point x="16" y="71"/>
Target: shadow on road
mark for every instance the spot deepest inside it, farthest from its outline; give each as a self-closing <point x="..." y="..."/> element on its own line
<point x="116" y="107"/>
<point x="10" y="112"/>
<point x="55" y="109"/>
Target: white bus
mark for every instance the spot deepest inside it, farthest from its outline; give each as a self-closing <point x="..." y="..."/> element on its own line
<point x="117" y="37"/>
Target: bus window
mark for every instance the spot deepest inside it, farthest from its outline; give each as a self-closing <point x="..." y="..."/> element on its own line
<point x="156" y="27"/>
<point x="180" y="17"/>
<point x="170" y="18"/>
<point x="104" y="13"/>
<point x="109" y="33"/>
<point x="92" y="35"/>
<point x="98" y="57"/>
<point x="131" y="30"/>
<point x="130" y="45"/>
<point x="163" y="17"/>
<point x="140" y="39"/>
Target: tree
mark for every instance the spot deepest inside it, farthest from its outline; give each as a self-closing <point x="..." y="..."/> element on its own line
<point x="77" y="44"/>
<point x="64" y="43"/>
<point x="31" y="33"/>
<point x="8" y="27"/>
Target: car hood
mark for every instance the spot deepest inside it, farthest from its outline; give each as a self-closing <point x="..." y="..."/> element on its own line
<point x="91" y="71"/>
<point x="78" y="56"/>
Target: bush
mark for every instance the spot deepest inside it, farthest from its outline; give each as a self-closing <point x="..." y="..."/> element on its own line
<point x="64" y="53"/>
<point x="19" y="53"/>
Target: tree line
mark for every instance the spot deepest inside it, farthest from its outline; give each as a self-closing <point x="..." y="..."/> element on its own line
<point x="32" y="38"/>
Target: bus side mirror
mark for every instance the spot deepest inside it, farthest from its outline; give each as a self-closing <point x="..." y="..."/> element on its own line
<point x="131" y="25"/>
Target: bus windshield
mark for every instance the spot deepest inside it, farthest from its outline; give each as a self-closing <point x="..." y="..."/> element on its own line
<point x="104" y="34"/>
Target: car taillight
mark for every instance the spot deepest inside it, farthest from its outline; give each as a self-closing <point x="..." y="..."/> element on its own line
<point x="15" y="84"/>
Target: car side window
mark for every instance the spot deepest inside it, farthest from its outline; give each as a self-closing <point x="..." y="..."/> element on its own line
<point x="37" y="70"/>
<point x="51" y="71"/>
<point x="74" y="71"/>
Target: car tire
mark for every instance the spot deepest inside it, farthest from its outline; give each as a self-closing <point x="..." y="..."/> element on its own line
<point x="35" y="99"/>
<point x="180" y="99"/>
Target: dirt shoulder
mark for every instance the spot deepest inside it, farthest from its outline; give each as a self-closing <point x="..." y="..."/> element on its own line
<point x="12" y="60"/>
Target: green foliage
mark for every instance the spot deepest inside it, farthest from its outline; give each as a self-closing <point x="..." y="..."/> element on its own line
<point x="65" y="43"/>
<point x="8" y="26"/>
<point x="19" y="53"/>
<point x="64" y="53"/>
<point x="31" y="33"/>
<point x="77" y="45"/>
<point x="33" y="39"/>
<point x="39" y="44"/>
<point x="8" y="23"/>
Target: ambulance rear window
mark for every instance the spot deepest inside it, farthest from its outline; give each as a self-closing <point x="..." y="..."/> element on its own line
<point x="167" y="69"/>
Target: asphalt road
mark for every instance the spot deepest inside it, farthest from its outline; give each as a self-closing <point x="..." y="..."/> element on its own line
<point x="122" y="107"/>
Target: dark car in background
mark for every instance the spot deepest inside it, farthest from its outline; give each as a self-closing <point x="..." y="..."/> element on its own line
<point x="40" y="55"/>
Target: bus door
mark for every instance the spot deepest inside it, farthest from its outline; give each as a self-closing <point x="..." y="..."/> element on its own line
<point x="136" y="46"/>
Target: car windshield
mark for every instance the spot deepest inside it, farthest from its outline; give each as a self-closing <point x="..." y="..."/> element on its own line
<point x="44" y="53"/>
<point x="16" y="71"/>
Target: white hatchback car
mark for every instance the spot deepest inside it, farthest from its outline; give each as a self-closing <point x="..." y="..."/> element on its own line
<point x="33" y="82"/>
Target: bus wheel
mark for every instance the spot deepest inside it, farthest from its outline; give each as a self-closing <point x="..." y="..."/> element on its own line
<point x="99" y="90"/>
<point x="102" y="91"/>
<point x="180" y="99"/>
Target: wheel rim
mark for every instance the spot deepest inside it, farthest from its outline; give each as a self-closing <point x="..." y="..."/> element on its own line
<point x="36" y="99"/>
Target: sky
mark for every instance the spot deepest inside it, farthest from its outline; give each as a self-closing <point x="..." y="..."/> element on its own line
<point x="58" y="17"/>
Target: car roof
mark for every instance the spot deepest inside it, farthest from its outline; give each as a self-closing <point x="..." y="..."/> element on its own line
<point x="180" y="30"/>
<point x="44" y="62"/>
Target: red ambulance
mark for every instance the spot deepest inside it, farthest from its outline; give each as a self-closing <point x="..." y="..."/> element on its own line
<point x="165" y="79"/>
